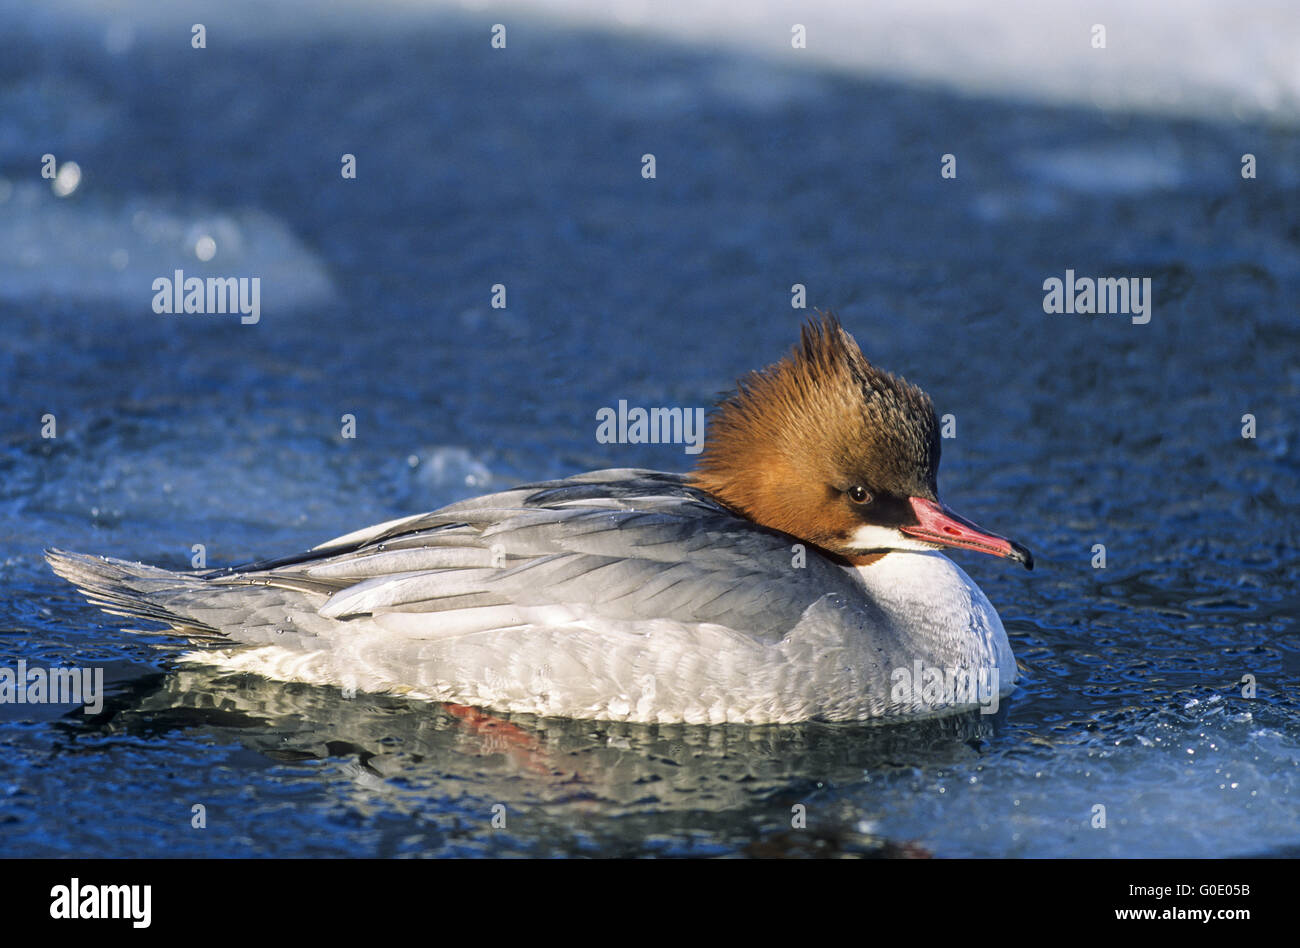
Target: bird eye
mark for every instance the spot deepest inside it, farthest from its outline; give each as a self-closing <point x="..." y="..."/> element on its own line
<point x="858" y="494"/>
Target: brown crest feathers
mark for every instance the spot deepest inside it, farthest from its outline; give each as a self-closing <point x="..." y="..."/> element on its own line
<point x="798" y="431"/>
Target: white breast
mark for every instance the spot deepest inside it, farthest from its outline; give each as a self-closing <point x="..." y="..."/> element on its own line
<point x="942" y="619"/>
<point x="939" y="605"/>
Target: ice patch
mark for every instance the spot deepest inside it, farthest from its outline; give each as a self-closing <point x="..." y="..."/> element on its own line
<point x="1189" y="57"/>
<point x="1107" y="169"/>
<point x="92" y="248"/>
<point x="1194" y="57"/>
<point x="441" y="467"/>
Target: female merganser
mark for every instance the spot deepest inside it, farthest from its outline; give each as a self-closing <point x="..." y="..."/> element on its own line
<point x="791" y="577"/>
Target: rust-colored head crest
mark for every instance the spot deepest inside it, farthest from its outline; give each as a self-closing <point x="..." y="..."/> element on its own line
<point x="801" y="441"/>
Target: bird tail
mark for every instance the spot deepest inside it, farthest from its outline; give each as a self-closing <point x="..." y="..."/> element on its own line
<point x="134" y="589"/>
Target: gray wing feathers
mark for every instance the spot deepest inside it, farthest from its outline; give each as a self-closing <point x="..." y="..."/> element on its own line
<point x="617" y="545"/>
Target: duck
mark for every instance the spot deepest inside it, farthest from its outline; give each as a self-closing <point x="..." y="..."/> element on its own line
<point x="794" y="575"/>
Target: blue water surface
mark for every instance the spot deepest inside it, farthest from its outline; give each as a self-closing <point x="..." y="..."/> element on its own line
<point x="478" y="168"/>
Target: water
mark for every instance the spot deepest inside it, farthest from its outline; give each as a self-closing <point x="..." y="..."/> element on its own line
<point x="476" y="168"/>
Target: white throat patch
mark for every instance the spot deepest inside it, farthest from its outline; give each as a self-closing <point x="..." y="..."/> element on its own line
<point x="871" y="537"/>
